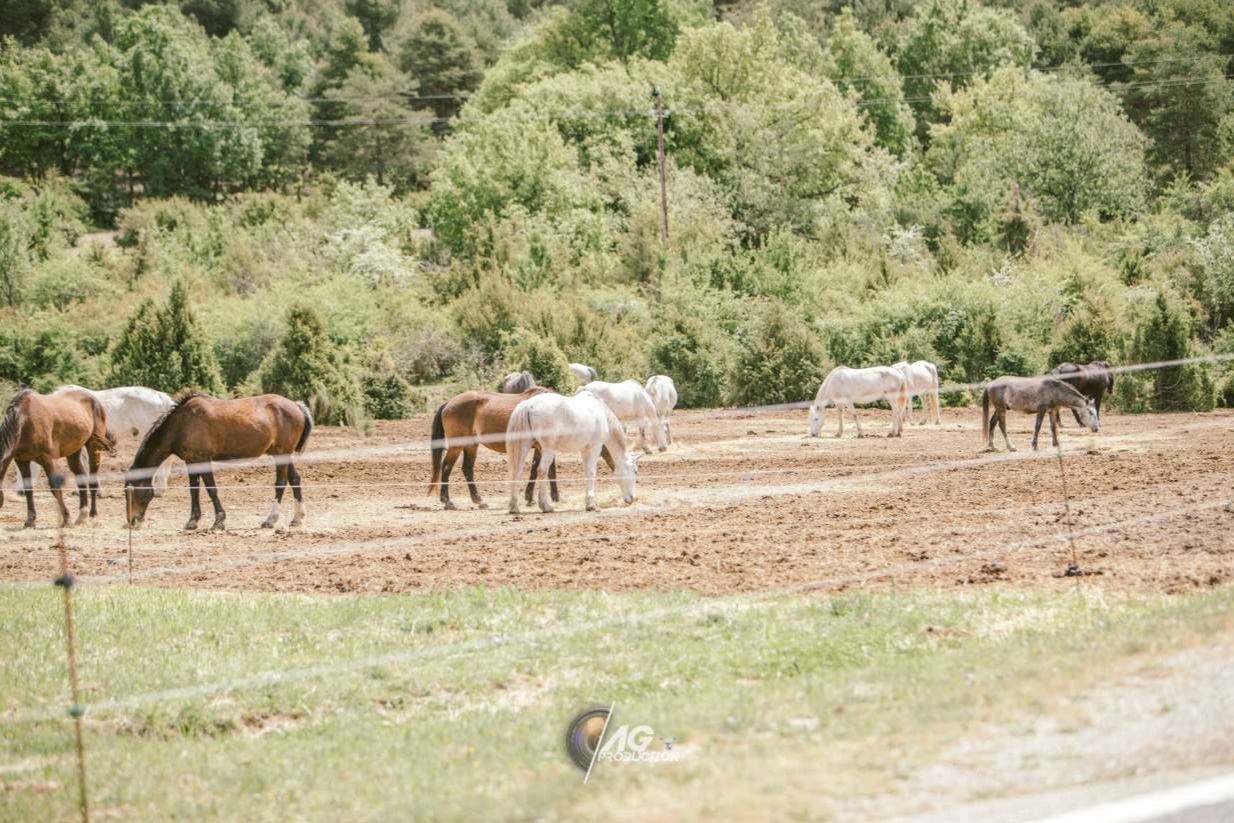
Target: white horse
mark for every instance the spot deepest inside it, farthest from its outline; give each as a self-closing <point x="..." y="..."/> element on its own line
<point x="631" y="403"/>
<point x="922" y="379"/>
<point x="131" y="411"/>
<point x="557" y="423"/>
<point x="847" y="387"/>
<point x="663" y="393"/>
<point x="585" y="374"/>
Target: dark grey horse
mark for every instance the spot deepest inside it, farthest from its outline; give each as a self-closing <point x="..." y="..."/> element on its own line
<point x="1092" y="381"/>
<point x="517" y="382"/>
<point x="1035" y="395"/>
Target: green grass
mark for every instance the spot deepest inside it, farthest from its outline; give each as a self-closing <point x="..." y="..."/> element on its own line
<point x="775" y="706"/>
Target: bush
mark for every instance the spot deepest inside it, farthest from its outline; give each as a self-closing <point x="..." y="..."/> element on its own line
<point x="525" y="350"/>
<point x="166" y="349"/>
<point x="781" y="360"/>
<point x="1163" y="336"/>
<point x="389" y="397"/>
<point x="308" y="366"/>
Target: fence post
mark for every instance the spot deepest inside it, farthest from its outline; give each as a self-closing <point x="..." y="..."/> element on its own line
<point x="65" y="582"/>
<point x="1074" y="569"/>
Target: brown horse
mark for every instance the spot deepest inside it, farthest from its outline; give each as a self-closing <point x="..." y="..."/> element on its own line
<point x="43" y="428"/>
<point x="1041" y="396"/>
<point x="475" y="418"/>
<point x="199" y="428"/>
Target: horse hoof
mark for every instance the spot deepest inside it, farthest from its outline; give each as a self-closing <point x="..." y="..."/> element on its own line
<point x="190" y="526"/>
<point x="29" y="524"/>
<point x="218" y="526"/>
<point x="296" y="522"/>
<point x="267" y="524"/>
<point x="480" y="505"/>
<point x="448" y="505"/>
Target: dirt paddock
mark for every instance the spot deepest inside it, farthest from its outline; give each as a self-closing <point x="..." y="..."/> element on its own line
<point x="740" y="502"/>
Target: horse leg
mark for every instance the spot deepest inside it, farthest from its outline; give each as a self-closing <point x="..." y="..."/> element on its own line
<point x="852" y="408"/>
<point x="531" y="475"/>
<point x="552" y="482"/>
<point x="1037" y="427"/>
<point x="590" y="458"/>
<point x="27" y="483"/>
<point x="93" y="455"/>
<point x="280" y="483"/>
<point x="220" y="516"/>
<point x="293" y="474"/>
<point x="83" y="485"/>
<point x="546" y="460"/>
<point x="194" y="500"/>
<point x="57" y="489"/>
<point x="1002" y="426"/>
<point x="469" y="474"/>
<point x="447" y="465"/>
<point x="1054" y="430"/>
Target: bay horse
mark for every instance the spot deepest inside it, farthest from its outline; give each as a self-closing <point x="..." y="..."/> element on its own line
<point x="1092" y="381"/>
<point x="199" y="429"/>
<point x="1036" y="395"/>
<point x="476" y="418"/>
<point x="41" y="429"/>
<point x="583" y="422"/>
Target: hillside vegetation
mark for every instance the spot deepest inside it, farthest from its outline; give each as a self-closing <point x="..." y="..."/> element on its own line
<point x="369" y="204"/>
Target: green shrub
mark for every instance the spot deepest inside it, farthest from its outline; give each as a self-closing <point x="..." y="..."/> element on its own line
<point x="524" y="350"/>
<point x="781" y="360"/>
<point x="308" y="366"/>
<point x="165" y="349"/>
<point x="387" y="396"/>
<point x="1165" y="335"/>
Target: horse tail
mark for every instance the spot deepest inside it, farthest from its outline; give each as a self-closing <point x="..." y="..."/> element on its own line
<point x="1109" y="376"/>
<point x="437" y="448"/>
<point x="101" y="437"/>
<point x="8" y="434"/>
<point x="518" y="443"/>
<point x="308" y="426"/>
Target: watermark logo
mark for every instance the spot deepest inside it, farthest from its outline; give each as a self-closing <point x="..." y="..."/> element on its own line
<point x="592" y="738"/>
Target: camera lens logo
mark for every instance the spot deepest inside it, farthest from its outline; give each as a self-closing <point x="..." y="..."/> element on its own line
<point x="591" y="739"/>
<point x="584" y="734"/>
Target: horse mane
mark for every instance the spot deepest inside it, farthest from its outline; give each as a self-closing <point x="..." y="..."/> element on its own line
<point x="178" y="401"/>
<point x="8" y="426"/>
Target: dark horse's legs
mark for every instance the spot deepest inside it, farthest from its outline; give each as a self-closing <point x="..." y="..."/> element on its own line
<point x="447" y="465"/>
<point x="1002" y="427"/>
<point x="552" y="478"/>
<point x="1054" y="430"/>
<point x="1037" y="427"/>
<point x="94" y="481"/>
<point x="49" y="469"/>
<point x="194" y="499"/>
<point x="469" y="474"/>
<point x="294" y="475"/>
<point x="83" y="484"/>
<point x="220" y="516"/>
<point x="27" y="484"/>
<point x="280" y="483"/>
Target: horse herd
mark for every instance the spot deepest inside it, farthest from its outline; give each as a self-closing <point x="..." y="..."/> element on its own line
<point x="79" y="425"/>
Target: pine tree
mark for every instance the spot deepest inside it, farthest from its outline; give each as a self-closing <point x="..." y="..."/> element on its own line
<point x="308" y="366"/>
<point x="166" y="349"/>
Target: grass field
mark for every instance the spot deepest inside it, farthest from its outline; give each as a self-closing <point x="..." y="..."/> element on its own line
<point x="777" y="706"/>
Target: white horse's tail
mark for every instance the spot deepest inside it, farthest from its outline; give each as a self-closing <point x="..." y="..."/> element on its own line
<point x="518" y="443"/>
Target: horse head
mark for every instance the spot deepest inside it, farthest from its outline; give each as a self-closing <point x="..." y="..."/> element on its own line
<point x="816" y="419"/>
<point x="626" y="472"/>
<point x="138" y="492"/>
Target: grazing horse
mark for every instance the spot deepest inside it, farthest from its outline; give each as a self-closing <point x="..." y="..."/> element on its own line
<point x="199" y="429"/>
<point x="663" y="393"/>
<point x="848" y="387"/>
<point x="631" y="403"/>
<point x="41" y="429"/>
<point x="475" y="418"/>
<point x="1092" y="381"/>
<point x="582" y="422"/>
<point x="585" y="374"/>
<point x="922" y="379"/>
<point x="1035" y="395"/>
<point x="131" y="411"/>
<point x="517" y="382"/>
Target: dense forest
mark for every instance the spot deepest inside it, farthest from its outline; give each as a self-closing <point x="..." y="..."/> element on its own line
<point x="371" y="204"/>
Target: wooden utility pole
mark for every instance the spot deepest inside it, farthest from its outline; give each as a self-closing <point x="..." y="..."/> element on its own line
<point x="663" y="186"/>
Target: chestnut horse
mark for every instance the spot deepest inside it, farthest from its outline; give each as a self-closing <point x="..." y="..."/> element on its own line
<point x="475" y="418"/>
<point x="199" y="429"/>
<point x="43" y="428"/>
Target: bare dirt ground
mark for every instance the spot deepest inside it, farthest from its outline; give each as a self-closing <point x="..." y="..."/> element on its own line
<point x="740" y="502"/>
